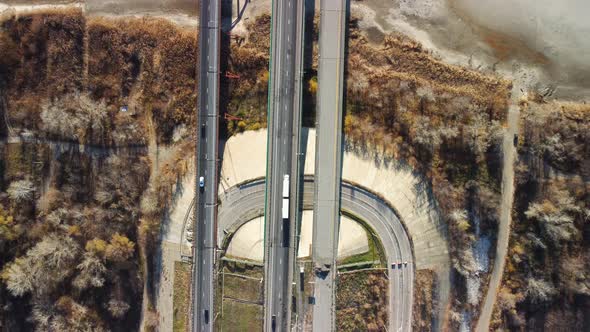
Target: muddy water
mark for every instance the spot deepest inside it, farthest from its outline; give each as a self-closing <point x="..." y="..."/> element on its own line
<point x="518" y="38"/>
<point x="120" y="7"/>
<point x="36" y="2"/>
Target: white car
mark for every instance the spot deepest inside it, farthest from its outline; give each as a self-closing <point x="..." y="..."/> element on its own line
<point x="202" y="182"/>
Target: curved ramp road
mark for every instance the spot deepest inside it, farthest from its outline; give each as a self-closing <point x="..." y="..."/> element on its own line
<point x="243" y="203"/>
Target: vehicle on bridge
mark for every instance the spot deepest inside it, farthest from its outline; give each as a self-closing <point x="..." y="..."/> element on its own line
<point x="286" y="196"/>
<point x="286" y="227"/>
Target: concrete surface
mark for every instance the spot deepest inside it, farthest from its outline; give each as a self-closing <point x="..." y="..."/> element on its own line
<point x="283" y="131"/>
<point x="239" y="203"/>
<point x="328" y="162"/>
<point x="248" y="240"/>
<point x="404" y="189"/>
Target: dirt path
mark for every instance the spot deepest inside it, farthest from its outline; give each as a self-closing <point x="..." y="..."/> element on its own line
<point x="505" y="220"/>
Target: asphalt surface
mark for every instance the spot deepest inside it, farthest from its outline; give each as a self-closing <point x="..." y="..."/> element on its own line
<point x="243" y="203"/>
<point x="297" y="165"/>
<point x="328" y="162"/>
<point x="207" y="164"/>
<point x="281" y="146"/>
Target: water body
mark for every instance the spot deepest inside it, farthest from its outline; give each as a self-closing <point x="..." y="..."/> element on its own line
<point x="556" y="29"/>
<point x="540" y="43"/>
<point x="188" y="7"/>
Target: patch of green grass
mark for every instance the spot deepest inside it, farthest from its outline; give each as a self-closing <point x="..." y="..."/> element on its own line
<point x="182" y="278"/>
<point x="240" y="317"/>
<point x="244" y="269"/>
<point x="375" y="252"/>
<point x="240" y="297"/>
<point x="242" y="288"/>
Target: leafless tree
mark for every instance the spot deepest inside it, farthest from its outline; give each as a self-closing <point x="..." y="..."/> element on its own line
<point x="91" y="272"/>
<point x="539" y="291"/>
<point x="557" y="220"/>
<point x="74" y="117"/>
<point x="118" y="308"/>
<point x="21" y="191"/>
<point x="43" y="267"/>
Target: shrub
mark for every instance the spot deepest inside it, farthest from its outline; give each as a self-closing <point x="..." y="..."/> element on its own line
<point x="21" y="191"/>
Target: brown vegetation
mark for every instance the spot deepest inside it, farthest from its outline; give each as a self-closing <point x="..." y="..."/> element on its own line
<point x="65" y="77"/>
<point x="76" y="266"/>
<point x="445" y="122"/>
<point x="362" y="301"/>
<point x="60" y="65"/>
<point x="547" y="285"/>
<point x="424" y="300"/>
<point x="181" y="297"/>
<point x="247" y="96"/>
<point x="54" y="57"/>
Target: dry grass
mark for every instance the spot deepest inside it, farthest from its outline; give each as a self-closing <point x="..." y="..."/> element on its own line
<point x="148" y="64"/>
<point x="445" y="121"/>
<point x="549" y="243"/>
<point x="247" y="96"/>
<point x="182" y="280"/>
<point x="241" y="316"/>
<point x="241" y="303"/>
<point x="424" y="305"/>
<point x="362" y="302"/>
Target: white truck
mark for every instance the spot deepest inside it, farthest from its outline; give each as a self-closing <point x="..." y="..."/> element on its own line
<point x="286" y="196"/>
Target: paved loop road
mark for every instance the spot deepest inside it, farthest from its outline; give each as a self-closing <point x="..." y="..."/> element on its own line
<point x="243" y="203"/>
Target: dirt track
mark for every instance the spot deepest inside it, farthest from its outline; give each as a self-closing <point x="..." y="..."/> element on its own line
<point x="505" y="221"/>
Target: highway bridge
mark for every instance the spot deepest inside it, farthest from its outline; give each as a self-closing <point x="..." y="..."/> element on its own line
<point x="243" y="203"/>
<point x="205" y="225"/>
<point x="284" y="125"/>
<point x="284" y="158"/>
<point x="328" y="160"/>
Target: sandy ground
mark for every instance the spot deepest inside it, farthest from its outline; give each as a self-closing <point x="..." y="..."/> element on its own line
<point x="170" y="250"/>
<point x="248" y="242"/>
<point x="185" y="192"/>
<point x="170" y="253"/>
<point x="245" y="158"/>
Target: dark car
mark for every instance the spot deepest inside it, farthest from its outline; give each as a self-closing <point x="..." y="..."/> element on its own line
<point x="515" y="140"/>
